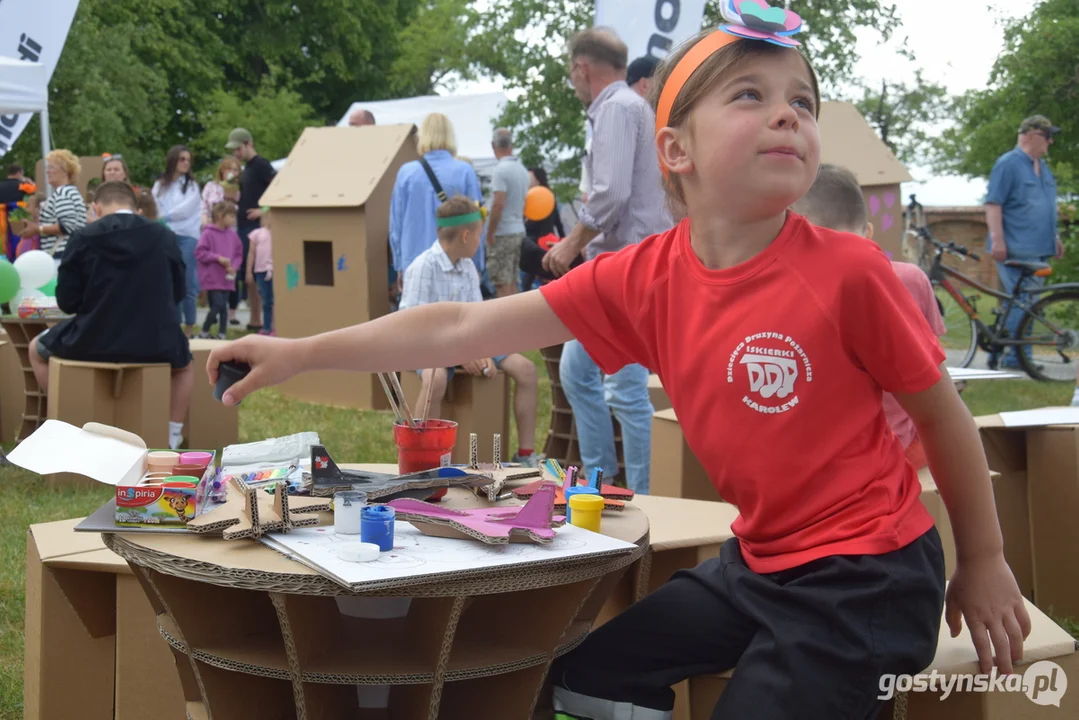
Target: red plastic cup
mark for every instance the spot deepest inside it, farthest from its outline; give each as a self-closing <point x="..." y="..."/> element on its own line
<point x="425" y="447"/>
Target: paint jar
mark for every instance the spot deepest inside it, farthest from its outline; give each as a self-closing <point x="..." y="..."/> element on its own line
<point x="192" y="470"/>
<point x="155" y="478"/>
<point x="202" y="459"/>
<point x="181" y="482"/>
<point x="228" y="374"/>
<point x="162" y="461"/>
<point x="376" y="526"/>
<point x="348" y="507"/>
<point x="587" y="510"/>
<point x="570" y="492"/>
<point x="427" y="446"/>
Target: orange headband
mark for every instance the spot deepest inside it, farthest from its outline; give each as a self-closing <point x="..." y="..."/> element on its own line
<point x="685" y="68"/>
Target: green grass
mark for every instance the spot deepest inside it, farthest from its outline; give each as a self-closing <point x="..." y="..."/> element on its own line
<point x="352" y="436"/>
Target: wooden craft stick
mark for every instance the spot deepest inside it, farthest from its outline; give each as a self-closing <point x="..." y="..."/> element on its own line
<point x="389" y="396"/>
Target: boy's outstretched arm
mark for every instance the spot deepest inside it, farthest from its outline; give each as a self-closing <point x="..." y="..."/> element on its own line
<point x="983" y="589"/>
<point x="438" y="335"/>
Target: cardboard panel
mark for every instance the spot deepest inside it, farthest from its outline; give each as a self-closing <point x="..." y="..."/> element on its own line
<point x="209" y="424"/>
<point x="142" y="653"/>
<point x="657" y="394"/>
<point x="933" y="502"/>
<point x="676" y="471"/>
<point x="1053" y="492"/>
<point x="67" y="673"/>
<point x="1006" y="452"/>
<point x="887" y="218"/>
<point x="11" y="391"/>
<point x="377" y="220"/>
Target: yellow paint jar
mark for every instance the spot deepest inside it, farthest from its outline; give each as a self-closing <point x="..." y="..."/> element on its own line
<point x="585" y="511"/>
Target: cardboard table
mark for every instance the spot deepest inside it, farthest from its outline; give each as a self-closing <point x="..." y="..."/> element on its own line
<point x="21" y="332"/>
<point x="259" y="635"/>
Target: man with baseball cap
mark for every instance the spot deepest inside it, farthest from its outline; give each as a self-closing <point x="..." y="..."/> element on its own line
<point x="1021" y="212"/>
<point x="639" y="74"/>
<point x="257" y="175"/>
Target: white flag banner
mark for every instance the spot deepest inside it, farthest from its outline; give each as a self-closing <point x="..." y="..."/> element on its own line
<point x="651" y="27"/>
<point x="33" y="30"/>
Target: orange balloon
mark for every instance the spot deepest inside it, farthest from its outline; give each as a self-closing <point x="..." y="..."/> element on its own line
<point x="539" y="203"/>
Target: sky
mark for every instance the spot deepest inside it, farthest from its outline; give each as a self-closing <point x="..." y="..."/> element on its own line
<point x="955" y="43"/>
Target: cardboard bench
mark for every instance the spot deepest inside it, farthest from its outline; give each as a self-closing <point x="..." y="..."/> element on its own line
<point x="93" y="650"/>
<point x="478" y="405"/>
<point x="657" y="394"/>
<point x="1037" y="497"/>
<point x="209" y="423"/>
<point x="131" y="396"/>
<point x="12" y="391"/>
<point x="956" y="656"/>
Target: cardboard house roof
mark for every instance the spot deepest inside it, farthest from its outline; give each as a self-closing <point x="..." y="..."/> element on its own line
<point x="336" y="167"/>
<point x="848" y="140"/>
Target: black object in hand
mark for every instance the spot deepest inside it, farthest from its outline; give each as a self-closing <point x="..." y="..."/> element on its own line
<point x="228" y="374"/>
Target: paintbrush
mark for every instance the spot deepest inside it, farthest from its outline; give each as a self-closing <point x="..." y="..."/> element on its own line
<point x="427" y="403"/>
<point x="389" y="396"/>
<point x="404" y="403"/>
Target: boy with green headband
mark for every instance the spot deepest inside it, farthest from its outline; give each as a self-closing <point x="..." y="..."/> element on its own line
<point x="445" y="273"/>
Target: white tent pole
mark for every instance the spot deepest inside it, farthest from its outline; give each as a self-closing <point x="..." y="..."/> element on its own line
<point x="45" y="143"/>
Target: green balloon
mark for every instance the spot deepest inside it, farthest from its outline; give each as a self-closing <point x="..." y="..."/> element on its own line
<point x="9" y="280"/>
<point x="49" y="288"/>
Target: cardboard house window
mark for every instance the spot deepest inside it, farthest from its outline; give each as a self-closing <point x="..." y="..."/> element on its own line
<point x="318" y="262"/>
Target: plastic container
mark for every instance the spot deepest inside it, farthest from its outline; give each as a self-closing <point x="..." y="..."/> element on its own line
<point x="192" y="470"/>
<point x="570" y="492"/>
<point x="587" y="511"/>
<point x="196" y="458"/>
<point x="228" y="374"/>
<point x="162" y="460"/>
<point x="181" y="481"/>
<point x="376" y="526"/>
<point x="348" y="506"/>
<point x="425" y="447"/>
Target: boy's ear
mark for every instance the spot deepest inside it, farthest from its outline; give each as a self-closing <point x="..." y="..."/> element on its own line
<point x="868" y="231"/>
<point x="97" y="209"/>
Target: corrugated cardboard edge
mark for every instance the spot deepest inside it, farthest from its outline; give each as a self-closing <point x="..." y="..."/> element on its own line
<point x="846" y="139"/>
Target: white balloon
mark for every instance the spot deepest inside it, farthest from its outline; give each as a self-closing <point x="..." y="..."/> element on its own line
<point x="27" y="294"/>
<point x="36" y="268"/>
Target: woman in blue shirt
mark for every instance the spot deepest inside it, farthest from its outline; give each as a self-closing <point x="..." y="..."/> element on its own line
<point x="414" y="201"/>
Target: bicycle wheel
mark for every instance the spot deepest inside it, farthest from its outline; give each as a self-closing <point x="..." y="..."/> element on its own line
<point x="960" y="340"/>
<point x="1052" y="330"/>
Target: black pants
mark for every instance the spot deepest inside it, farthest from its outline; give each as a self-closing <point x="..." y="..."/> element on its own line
<point x="240" y="293"/>
<point x="219" y="310"/>
<point x="809" y="642"/>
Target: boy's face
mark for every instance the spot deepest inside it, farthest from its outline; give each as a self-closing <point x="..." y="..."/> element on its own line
<point x="470" y="239"/>
<point x="226" y="221"/>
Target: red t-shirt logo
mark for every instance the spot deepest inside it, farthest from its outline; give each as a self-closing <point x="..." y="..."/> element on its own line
<point x="772" y="363"/>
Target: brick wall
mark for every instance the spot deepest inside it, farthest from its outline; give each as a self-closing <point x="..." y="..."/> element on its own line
<point x="965" y="226"/>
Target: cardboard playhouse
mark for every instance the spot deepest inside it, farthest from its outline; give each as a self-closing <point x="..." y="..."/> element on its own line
<point x="329" y="214"/>
<point x="848" y="140"/>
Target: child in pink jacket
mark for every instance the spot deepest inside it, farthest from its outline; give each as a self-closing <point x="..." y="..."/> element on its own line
<point x="219" y="253"/>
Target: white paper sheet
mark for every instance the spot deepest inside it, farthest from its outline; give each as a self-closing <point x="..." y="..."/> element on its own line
<point x="1041" y="417"/>
<point x="60" y="447"/>
<point x="418" y="556"/>
<point x="979" y="374"/>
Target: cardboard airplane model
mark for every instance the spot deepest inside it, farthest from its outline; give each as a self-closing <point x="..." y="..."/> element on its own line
<point x="532" y="522"/>
<point x="326" y="478"/>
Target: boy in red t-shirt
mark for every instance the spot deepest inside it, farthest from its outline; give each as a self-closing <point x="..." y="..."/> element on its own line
<point x="774" y="340"/>
<point x="836" y="202"/>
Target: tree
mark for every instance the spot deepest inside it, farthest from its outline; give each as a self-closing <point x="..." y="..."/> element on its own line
<point x="435" y="48"/>
<point x="1037" y="73"/>
<point x="904" y="115"/>
<point x="524" y="43"/>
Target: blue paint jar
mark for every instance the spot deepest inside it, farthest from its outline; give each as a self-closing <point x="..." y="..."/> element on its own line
<point x="376" y="526"/>
<point x="577" y="490"/>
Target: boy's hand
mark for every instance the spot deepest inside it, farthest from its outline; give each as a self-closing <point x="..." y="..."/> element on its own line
<point x="272" y="360"/>
<point x="489" y="368"/>
<point x="984" y="593"/>
<point x="474" y="367"/>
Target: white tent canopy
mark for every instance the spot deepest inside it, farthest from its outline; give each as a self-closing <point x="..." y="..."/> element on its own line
<point x="24" y="88"/>
<point x="472" y="117"/>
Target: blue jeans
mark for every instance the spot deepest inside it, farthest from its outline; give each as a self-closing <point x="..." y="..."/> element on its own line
<point x="593" y="396"/>
<point x="1009" y="279"/>
<point x="185" y="309"/>
<point x="266" y="294"/>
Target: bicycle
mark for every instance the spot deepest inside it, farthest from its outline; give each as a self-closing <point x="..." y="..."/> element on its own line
<point x="1047" y="335"/>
